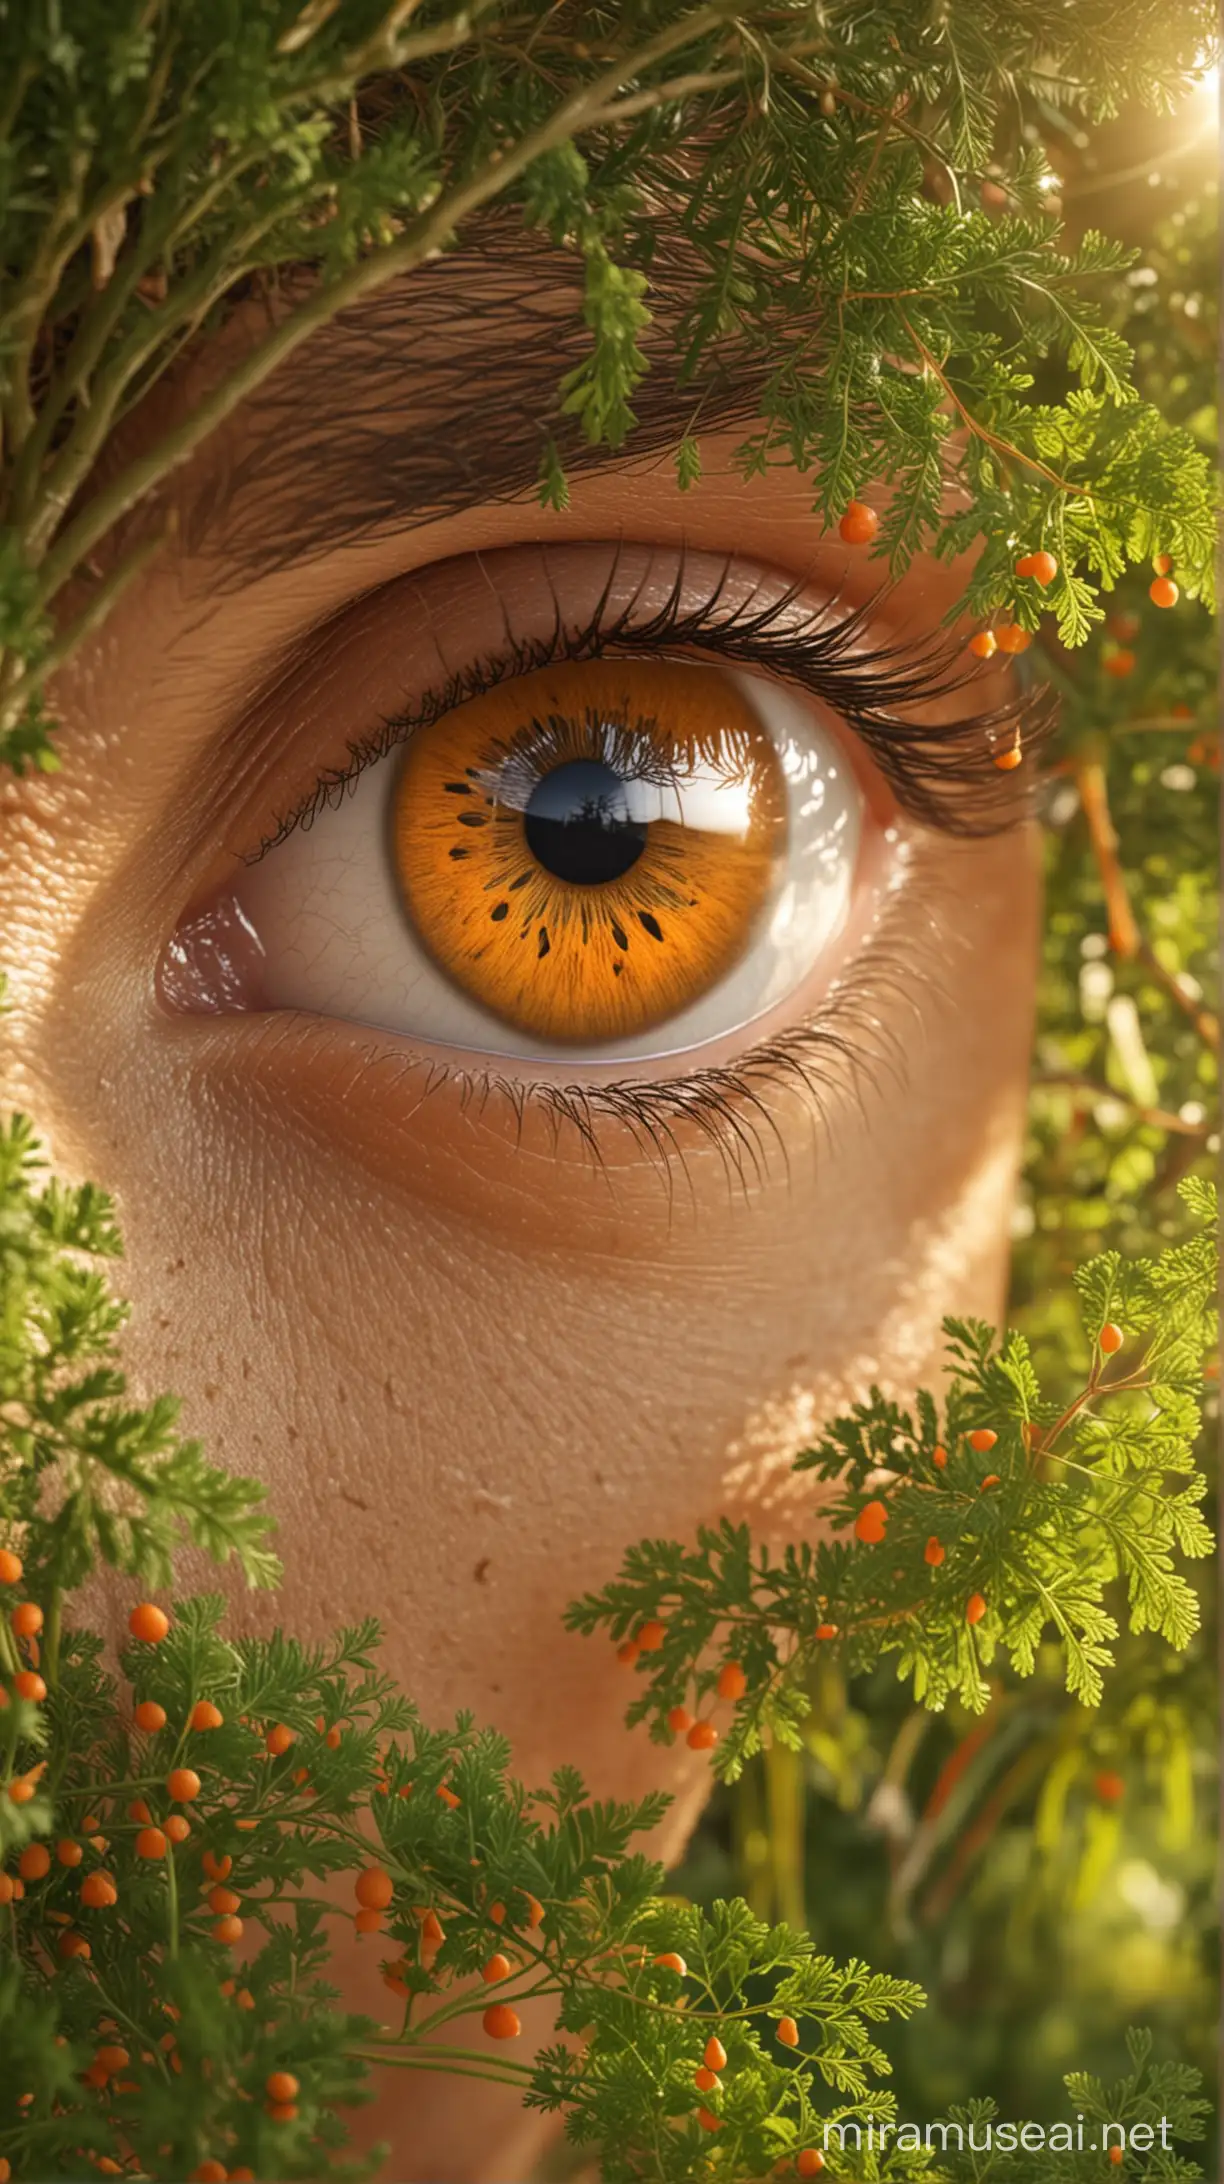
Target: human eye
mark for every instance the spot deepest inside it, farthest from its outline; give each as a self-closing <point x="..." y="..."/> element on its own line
<point x="653" y="818"/>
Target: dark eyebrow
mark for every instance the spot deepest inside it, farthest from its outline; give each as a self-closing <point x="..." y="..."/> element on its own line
<point x="439" y="395"/>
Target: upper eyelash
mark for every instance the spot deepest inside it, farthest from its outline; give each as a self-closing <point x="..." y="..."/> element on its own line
<point x="942" y="774"/>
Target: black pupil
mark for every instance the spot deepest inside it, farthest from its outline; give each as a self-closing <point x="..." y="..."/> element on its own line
<point x="578" y="825"/>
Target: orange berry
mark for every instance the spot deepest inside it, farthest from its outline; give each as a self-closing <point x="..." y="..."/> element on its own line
<point x="332" y="1740"/>
<point x="228" y="1930"/>
<point x="431" y="1930"/>
<point x="217" y="1869"/>
<point x="933" y="1552"/>
<point x="183" y="1784"/>
<point x="1009" y="637"/>
<point x="278" y="1740"/>
<point x="702" y="1737"/>
<point x="715" y="2054"/>
<point x="810" y="2162"/>
<point x="982" y="1439"/>
<point x="149" y="1623"/>
<point x="651" y="1636"/>
<point x="939" y="1457"/>
<point x="368" y="1922"/>
<point x="1111" y="1338"/>
<point x="98" y="1891"/>
<point x="535" y="1911"/>
<point x="975" y="1608"/>
<point x="68" y="1852"/>
<point x="1163" y="592"/>
<point x="1162" y="563"/>
<point x="5" y="2169"/>
<point x="223" y="1899"/>
<point x="374" y="1888"/>
<point x="11" y="1567"/>
<point x="1109" y="1786"/>
<point x="281" y="2085"/>
<point x="497" y="1912"/>
<point x="22" y="1790"/>
<point x="859" y="524"/>
<point x="991" y="1479"/>
<point x="705" y="2080"/>
<point x="732" y="1682"/>
<point x="707" y="2121"/>
<point x="448" y="1796"/>
<point x="671" y="1962"/>
<point x="150" y="1843"/>
<point x="1119" y="663"/>
<point x="138" y="1810"/>
<point x="27" y="1619"/>
<point x="150" y="1717"/>
<point x="984" y="645"/>
<point x="112" y="2059"/>
<point x="498" y="1967"/>
<point x="245" y="1999"/>
<point x="34" y="1862"/>
<point x="788" y="2032"/>
<point x="178" y="1827"/>
<point x="1042" y="567"/>
<point x="501" y="2022"/>
<point x="1008" y="760"/>
<point x="73" y="1945"/>
<point x="6" y="1888"/>
<point x="209" y="2172"/>
<point x="1024" y="567"/>
<point x="281" y="2111"/>
<point x="679" y="1720"/>
<point x="628" y="1653"/>
<point x="204" y="1715"/>
<point x="826" y="1630"/>
<point x="871" y="1523"/>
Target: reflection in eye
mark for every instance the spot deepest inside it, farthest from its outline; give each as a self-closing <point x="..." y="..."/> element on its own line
<point x="623" y="856"/>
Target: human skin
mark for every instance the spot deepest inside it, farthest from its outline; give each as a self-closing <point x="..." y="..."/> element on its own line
<point x="472" y="1361"/>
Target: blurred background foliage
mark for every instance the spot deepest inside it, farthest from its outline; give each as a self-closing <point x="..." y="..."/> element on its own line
<point x="1046" y="1872"/>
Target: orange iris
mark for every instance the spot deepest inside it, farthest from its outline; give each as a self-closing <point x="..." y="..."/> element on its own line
<point x="586" y="850"/>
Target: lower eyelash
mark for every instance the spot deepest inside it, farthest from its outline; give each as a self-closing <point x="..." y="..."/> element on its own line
<point x="842" y="1051"/>
<point x="942" y="774"/>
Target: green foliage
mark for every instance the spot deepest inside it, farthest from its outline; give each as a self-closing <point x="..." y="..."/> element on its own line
<point x="821" y="168"/>
<point x="1030" y="1529"/>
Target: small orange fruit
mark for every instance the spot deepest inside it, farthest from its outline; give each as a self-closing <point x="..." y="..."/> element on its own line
<point x="278" y="1739"/>
<point x="501" y="2022"/>
<point x="826" y="1630"/>
<point x="223" y="1899"/>
<point x="1163" y="592"/>
<point x="204" y="1715"/>
<point x="982" y="1439"/>
<point x="704" y="2118"/>
<point x="671" y="1962"/>
<point x="1119" y="663"/>
<point x="228" y="1929"/>
<point x="628" y="1653"/>
<point x="150" y="1843"/>
<point x="281" y="2085"/>
<point x="150" y="1717"/>
<point x="984" y="645"/>
<point x="859" y="524"/>
<point x="183" y="1784"/>
<point x="975" y="1608"/>
<point x="68" y="1852"/>
<point x="933" y="1552"/>
<point x="497" y="1967"/>
<point x="702" y="1737"/>
<point x="705" y="2080"/>
<point x="732" y="1682"/>
<point x="1162" y="563"/>
<point x="149" y="1623"/>
<point x="679" y="1721"/>
<point x="810" y="2162"/>
<point x="871" y="1523"/>
<point x="178" y="1827"/>
<point x="28" y="1684"/>
<point x="27" y="1619"/>
<point x="1042" y="567"/>
<point x="939" y="1457"/>
<point x="651" y="1636"/>
<point x="98" y="1891"/>
<point x="788" y="2032"/>
<point x="1111" y="1338"/>
<point x="34" y="1862"/>
<point x="11" y="1567"/>
<point x="715" y="2054"/>
<point x="1009" y="637"/>
<point x="374" y="1888"/>
<point x="1109" y="1786"/>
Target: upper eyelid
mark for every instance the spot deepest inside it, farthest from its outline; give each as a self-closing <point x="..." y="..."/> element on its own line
<point x="942" y="774"/>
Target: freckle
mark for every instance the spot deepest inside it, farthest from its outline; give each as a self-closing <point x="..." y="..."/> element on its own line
<point x="651" y="923"/>
<point x="499" y="912"/>
<point x="621" y="938"/>
<point x="542" y="949"/>
<point x="481" y="1569"/>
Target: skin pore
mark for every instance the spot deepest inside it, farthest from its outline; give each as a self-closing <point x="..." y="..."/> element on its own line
<point x="474" y="1348"/>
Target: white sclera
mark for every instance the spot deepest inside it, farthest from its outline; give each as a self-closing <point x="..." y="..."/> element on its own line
<point x="337" y="940"/>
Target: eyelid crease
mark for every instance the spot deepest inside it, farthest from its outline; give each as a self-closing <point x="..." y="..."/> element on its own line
<point x="943" y="774"/>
